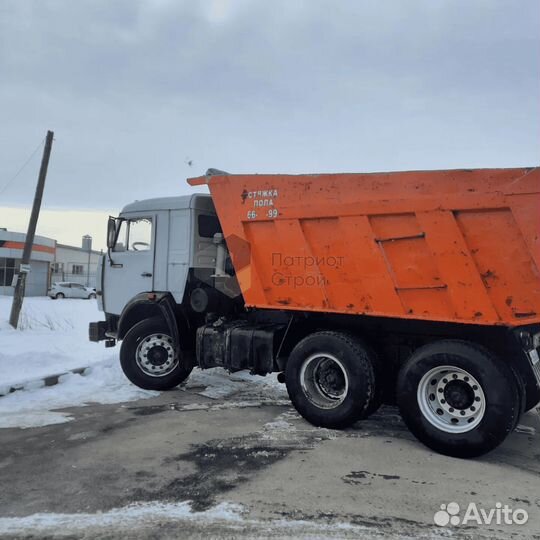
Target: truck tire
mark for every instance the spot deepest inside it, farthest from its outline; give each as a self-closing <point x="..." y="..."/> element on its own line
<point x="533" y="404"/>
<point x="522" y="396"/>
<point x="532" y="400"/>
<point x="330" y="379"/>
<point x="148" y="358"/>
<point x="379" y="385"/>
<point x="458" y="398"/>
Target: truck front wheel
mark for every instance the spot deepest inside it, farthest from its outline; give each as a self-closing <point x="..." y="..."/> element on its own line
<point x="149" y="358"/>
<point x="458" y="398"/>
<point x="330" y="379"/>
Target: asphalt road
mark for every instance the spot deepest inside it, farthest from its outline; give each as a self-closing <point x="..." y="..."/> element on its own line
<point x="250" y="467"/>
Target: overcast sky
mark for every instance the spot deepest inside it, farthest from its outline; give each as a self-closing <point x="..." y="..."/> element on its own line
<point x="134" y="90"/>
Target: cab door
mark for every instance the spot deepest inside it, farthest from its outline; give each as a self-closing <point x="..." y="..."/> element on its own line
<point x="129" y="265"/>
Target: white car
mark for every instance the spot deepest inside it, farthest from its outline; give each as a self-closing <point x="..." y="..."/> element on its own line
<point x="67" y="289"/>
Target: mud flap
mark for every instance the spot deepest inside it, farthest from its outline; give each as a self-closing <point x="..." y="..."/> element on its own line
<point x="167" y="310"/>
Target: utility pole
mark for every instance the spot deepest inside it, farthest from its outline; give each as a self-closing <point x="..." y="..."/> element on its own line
<point x="18" y="295"/>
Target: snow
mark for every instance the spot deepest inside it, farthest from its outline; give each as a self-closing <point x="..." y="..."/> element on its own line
<point x="126" y="516"/>
<point x="101" y="383"/>
<point x="53" y="339"/>
<point x="219" y="384"/>
<point x="230" y="517"/>
<point x="226" y="519"/>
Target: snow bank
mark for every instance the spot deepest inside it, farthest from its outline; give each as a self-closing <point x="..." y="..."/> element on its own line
<point x="231" y="518"/>
<point x="127" y="516"/>
<point x="102" y="383"/>
<point x="53" y="339"/>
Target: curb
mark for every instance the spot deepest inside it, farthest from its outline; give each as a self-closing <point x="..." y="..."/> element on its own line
<point x="48" y="380"/>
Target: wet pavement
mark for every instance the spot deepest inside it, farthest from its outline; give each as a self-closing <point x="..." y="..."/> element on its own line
<point x="246" y="465"/>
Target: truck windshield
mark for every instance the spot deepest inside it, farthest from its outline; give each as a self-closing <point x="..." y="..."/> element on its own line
<point x="139" y="234"/>
<point x="134" y="235"/>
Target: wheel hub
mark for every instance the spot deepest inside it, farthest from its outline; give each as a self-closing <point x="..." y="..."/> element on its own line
<point x="331" y="379"/>
<point x="156" y="356"/>
<point x="451" y="399"/>
<point x="324" y="381"/>
<point x="459" y="394"/>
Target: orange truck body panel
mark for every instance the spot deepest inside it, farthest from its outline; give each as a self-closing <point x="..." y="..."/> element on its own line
<point x="460" y="246"/>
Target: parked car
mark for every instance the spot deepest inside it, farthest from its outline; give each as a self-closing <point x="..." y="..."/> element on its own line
<point x="67" y="289"/>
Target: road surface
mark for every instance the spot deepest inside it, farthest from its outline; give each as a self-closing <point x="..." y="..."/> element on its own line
<point x="242" y="466"/>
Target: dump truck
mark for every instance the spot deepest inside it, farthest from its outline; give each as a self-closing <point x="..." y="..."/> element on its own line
<point x="420" y="289"/>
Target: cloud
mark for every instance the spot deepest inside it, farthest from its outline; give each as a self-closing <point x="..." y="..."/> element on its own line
<point x="132" y="88"/>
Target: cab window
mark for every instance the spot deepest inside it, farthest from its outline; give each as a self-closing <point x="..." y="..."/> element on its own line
<point x="121" y="238"/>
<point x="139" y="234"/>
<point x="134" y="235"/>
<point x="208" y="226"/>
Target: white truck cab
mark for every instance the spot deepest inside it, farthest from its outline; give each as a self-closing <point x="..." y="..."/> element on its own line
<point x="154" y="243"/>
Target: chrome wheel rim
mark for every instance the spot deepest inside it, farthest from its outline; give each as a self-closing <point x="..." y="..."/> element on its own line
<point x="451" y="399"/>
<point x="324" y="380"/>
<point x="156" y="356"/>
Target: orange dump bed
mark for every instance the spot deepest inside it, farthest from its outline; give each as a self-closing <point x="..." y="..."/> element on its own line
<point x="459" y="245"/>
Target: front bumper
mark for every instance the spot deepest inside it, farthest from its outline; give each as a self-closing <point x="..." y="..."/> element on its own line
<point x="103" y="330"/>
<point x="97" y="331"/>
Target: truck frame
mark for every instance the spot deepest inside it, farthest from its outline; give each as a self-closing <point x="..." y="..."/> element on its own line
<point x="419" y="288"/>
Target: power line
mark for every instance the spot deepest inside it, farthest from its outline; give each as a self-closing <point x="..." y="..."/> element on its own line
<point x="13" y="178"/>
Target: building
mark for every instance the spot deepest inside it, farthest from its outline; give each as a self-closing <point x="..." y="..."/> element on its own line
<point x="49" y="262"/>
<point x="11" y="250"/>
<point x="76" y="264"/>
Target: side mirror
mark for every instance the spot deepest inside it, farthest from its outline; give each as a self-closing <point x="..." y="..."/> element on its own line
<point x="111" y="232"/>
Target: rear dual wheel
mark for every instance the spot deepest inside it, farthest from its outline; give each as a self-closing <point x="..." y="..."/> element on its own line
<point x="455" y="396"/>
<point x="331" y="379"/>
<point x="458" y="398"/>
